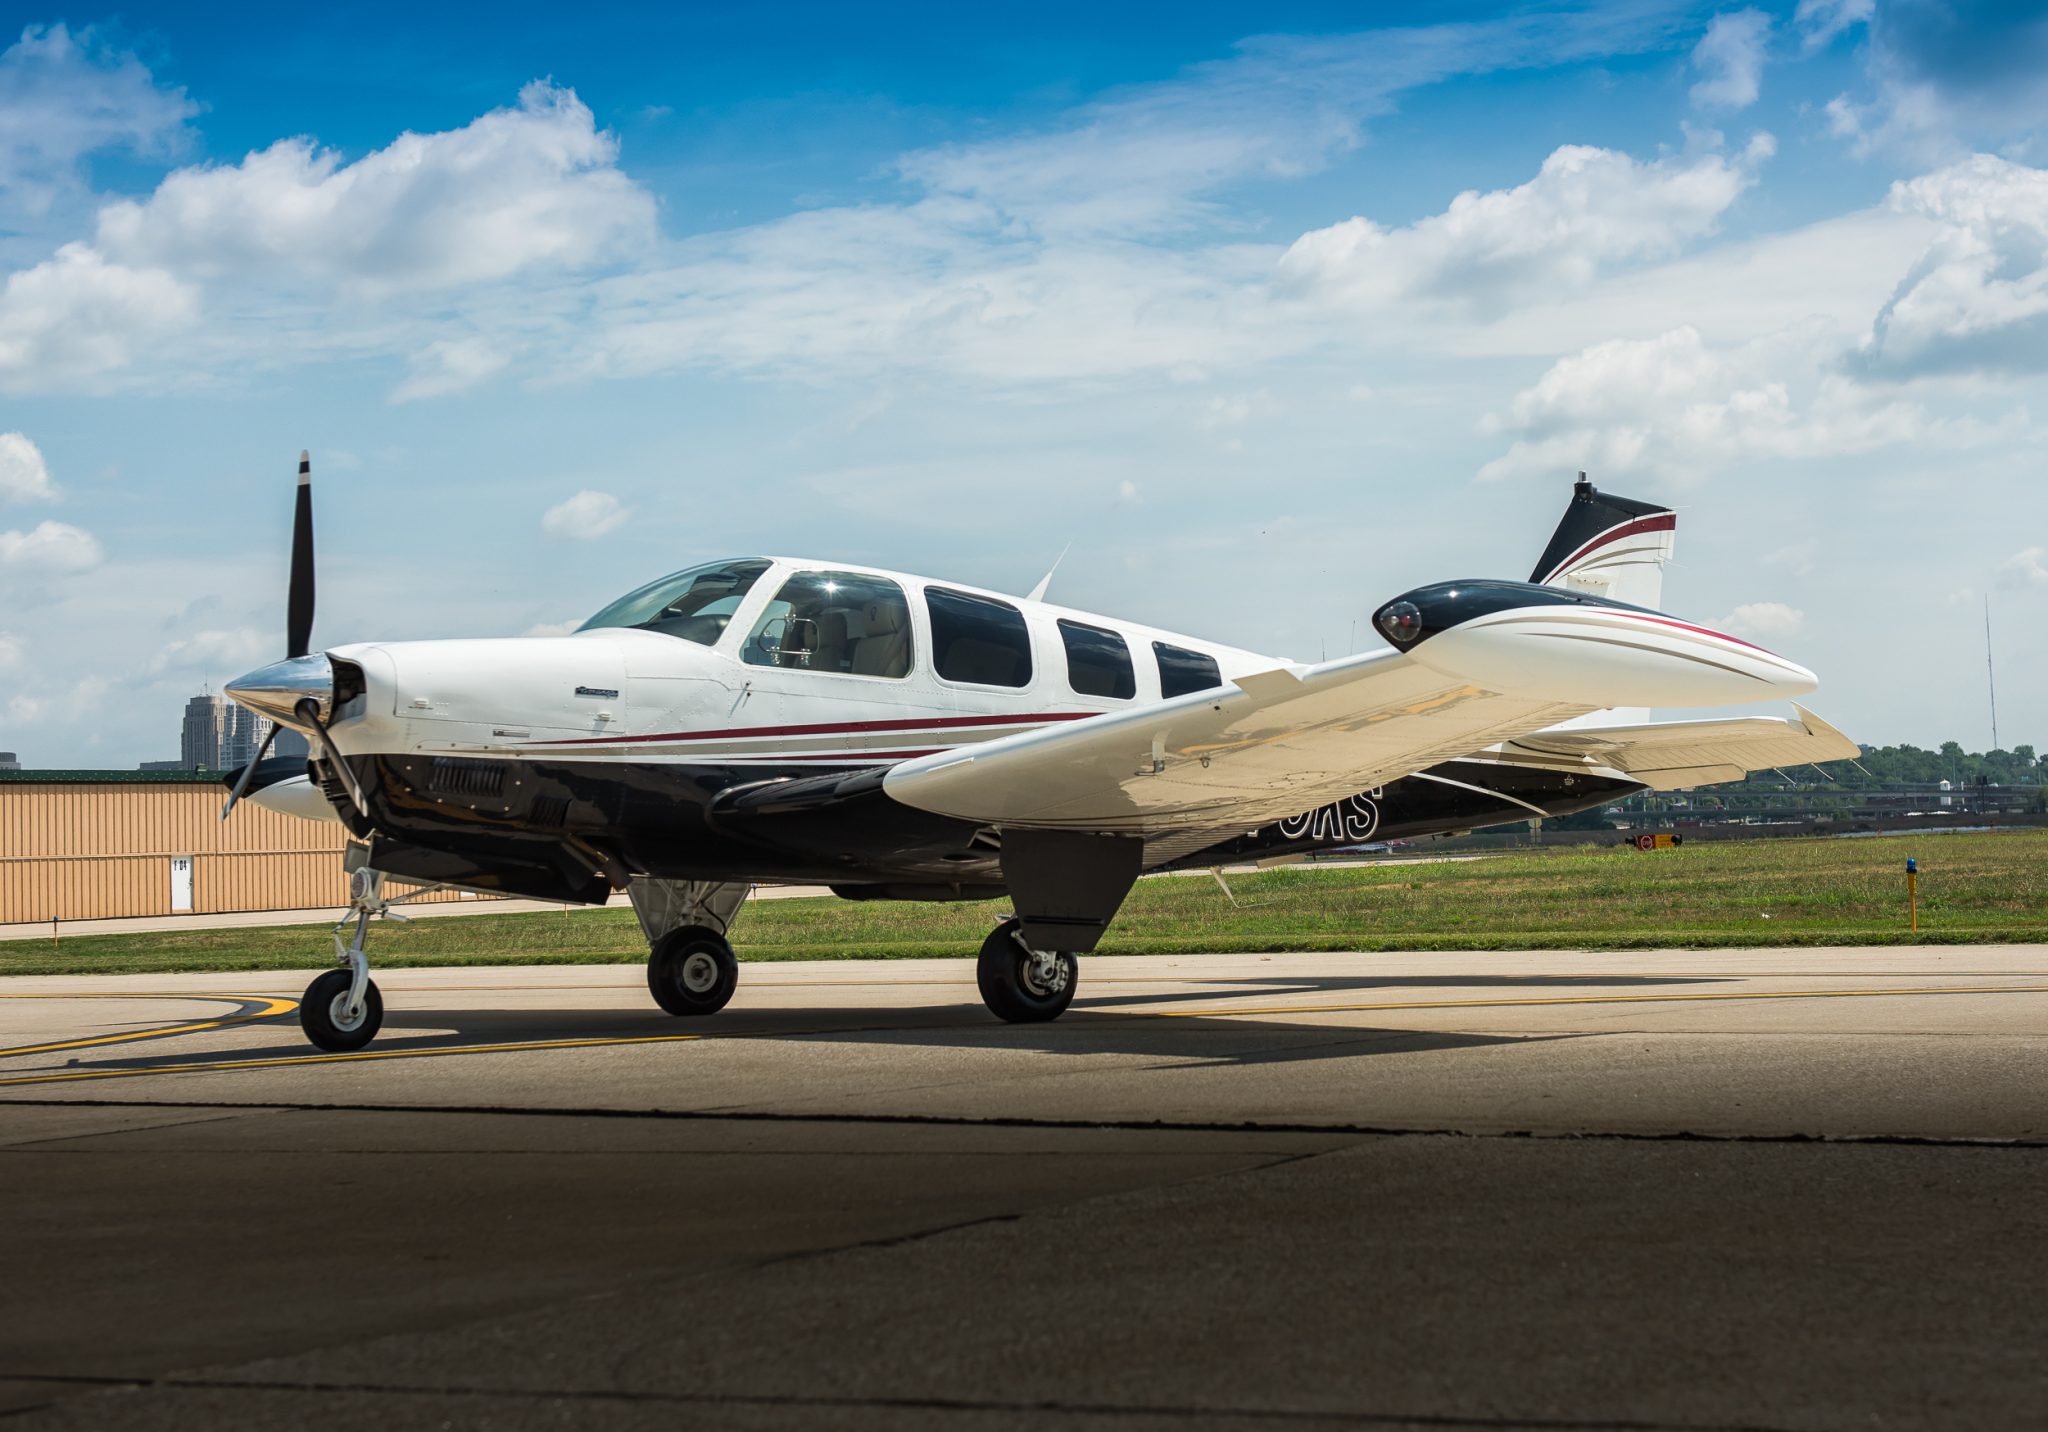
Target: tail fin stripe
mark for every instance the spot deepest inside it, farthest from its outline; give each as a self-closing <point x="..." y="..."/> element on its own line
<point x="1660" y="522"/>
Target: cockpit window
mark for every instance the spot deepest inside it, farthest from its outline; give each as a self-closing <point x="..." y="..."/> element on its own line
<point x="834" y="621"/>
<point x="694" y="605"/>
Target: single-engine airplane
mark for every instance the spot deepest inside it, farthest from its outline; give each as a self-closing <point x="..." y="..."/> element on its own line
<point x="770" y="720"/>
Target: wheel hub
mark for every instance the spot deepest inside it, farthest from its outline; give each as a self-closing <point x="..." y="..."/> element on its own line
<point x="699" y="973"/>
<point x="341" y="1017"/>
<point x="1045" y="973"/>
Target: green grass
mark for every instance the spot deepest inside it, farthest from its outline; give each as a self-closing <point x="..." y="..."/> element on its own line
<point x="1974" y="889"/>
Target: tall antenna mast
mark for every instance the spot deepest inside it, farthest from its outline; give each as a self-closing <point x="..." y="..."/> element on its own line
<point x="1990" y="672"/>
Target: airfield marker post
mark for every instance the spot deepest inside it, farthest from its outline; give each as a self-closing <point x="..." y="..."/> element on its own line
<point x="1913" y="893"/>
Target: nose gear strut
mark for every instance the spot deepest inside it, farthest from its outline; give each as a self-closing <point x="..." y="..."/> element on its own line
<point x="342" y="1010"/>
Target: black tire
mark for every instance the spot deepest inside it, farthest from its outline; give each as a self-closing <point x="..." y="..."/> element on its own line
<point x="692" y="971"/>
<point x="321" y="1013"/>
<point x="1009" y="986"/>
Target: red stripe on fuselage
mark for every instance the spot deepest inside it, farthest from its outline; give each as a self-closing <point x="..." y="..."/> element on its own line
<point x="826" y="728"/>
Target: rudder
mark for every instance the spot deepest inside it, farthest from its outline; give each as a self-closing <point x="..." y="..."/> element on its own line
<point x="1613" y="547"/>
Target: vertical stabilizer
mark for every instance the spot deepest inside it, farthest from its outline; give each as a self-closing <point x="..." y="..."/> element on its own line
<point x="1612" y="547"/>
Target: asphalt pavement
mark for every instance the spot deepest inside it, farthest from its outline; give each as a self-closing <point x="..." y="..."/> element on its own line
<point x="1670" y="1189"/>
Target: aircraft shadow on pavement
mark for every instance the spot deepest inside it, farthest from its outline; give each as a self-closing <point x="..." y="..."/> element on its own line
<point x="1094" y="1026"/>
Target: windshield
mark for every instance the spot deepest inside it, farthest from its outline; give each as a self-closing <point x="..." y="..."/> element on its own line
<point x="694" y="604"/>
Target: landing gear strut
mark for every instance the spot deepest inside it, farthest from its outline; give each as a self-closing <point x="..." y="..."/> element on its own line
<point x="341" y="1011"/>
<point x="1022" y="985"/>
<point x="691" y="969"/>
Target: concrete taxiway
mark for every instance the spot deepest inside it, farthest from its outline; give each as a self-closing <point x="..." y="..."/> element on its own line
<point x="1756" y="1188"/>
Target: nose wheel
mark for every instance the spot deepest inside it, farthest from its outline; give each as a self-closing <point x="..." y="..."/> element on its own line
<point x="341" y="1011"/>
<point x="332" y="1020"/>
<point x="1021" y="985"/>
<point x="692" y="971"/>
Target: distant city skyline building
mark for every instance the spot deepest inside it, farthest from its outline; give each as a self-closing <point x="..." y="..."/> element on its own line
<point x="199" y="738"/>
<point x="9" y="761"/>
<point x="218" y="735"/>
<point x="241" y="732"/>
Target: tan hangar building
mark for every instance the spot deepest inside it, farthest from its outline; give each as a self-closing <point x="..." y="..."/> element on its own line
<point x="96" y="845"/>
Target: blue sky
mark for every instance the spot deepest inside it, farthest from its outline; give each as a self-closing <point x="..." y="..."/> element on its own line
<point x="1271" y="311"/>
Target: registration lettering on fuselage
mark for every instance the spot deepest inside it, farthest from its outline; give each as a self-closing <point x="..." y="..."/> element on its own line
<point x="1339" y="823"/>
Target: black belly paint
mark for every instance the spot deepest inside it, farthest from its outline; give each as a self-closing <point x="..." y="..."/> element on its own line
<point x="568" y="830"/>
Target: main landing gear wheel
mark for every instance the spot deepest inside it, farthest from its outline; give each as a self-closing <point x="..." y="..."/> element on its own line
<point x="1023" y="985"/>
<point x="325" y="1016"/>
<point x="692" y="971"/>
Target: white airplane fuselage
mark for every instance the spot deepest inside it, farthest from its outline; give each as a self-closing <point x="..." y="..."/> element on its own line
<point x="618" y="694"/>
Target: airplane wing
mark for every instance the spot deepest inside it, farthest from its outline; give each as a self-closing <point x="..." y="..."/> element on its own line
<point x="1267" y="747"/>
<point x="1669" y="755"/>
<point x="1473" y="664"/>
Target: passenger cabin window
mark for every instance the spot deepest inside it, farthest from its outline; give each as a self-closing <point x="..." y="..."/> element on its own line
<point x="694" y="604"/>
<point x="1098" y="662"/>
<point x="834" y="621"/>
<point x="1182" y="672"/>
<point x="977" y="640"/>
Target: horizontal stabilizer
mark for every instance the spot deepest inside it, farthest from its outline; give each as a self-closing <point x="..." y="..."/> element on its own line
<point x="1670" y="755"/>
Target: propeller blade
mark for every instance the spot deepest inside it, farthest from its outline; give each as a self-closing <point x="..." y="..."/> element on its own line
<point x="249" y="771"/>
<point x="309" y="712"/>
<point x="299" y="604"/>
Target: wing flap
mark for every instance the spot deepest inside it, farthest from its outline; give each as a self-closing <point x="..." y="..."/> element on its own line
<point x="1670" y="755"/>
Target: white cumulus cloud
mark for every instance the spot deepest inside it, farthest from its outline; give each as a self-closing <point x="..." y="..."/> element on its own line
<point x="515" y="188"/>
<point x="1730" y="59"/>
<point x="12" y="650"/>
<point x="1978" y="298"/>
<point x="450" y="365"/>
<point x="1947" y="76"/>
<point x="1819" y="21"/>
<point x="586" y="515"/>
<point x="227" y="651"/>
<point x="64" y="96"/>
<point x="1677" y="407"/>
<point x="78" y="318"/>
<point x="24" y="476"/>
<point x="1586" y="209"/>
<point x="1762" y="619"/>
<point x="50" y="547"/>
<point x="2027" y="567"/>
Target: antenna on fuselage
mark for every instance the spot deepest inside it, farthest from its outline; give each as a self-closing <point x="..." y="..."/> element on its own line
<point x="1038" y="592"/>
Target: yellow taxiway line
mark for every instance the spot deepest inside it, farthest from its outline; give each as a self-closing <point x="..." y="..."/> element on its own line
<point x="1594" y="999"/>
<point x="256" y="1006"/>
<point x="288" y="1059"/>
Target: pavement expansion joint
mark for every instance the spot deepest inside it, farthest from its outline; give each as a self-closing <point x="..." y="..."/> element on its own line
<point x="1018" y="1121"/>
<point x="1048" y="1407"/>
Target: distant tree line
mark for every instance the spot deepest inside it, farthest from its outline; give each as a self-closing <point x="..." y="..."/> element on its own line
<point x="1914" y="765"/>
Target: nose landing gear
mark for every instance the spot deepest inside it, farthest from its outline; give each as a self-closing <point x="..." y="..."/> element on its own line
<point x="341" y="1011"/>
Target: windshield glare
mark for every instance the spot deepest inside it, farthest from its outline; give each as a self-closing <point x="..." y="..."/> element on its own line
<point x="694" y="604"/>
